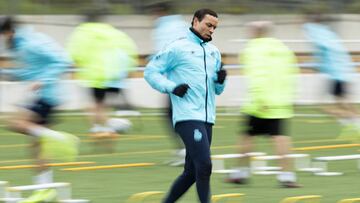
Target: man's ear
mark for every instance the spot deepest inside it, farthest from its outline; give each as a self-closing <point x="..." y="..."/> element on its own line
<point x="196" y="21"/>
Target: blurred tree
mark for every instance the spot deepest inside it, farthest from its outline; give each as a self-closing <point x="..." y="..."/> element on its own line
<point x="183" y="6"/>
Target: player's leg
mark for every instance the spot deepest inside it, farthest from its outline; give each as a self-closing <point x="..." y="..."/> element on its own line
<point x="187" y="178"/>
<point x="202" y="162"/>
<point x="47" y="144"/>
<point x="346" y="113"/>
<point x="246" y="145"/>
<point x="183" y="182"/>
<point x="198" y="162"/>
<point x="29" y="122"/>
<point x="180" y="151"/>
<point x="282" y="143"/>
<point x="99" y="116"/>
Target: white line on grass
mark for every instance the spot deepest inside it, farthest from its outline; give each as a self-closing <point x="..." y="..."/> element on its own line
<point x="169" y="150"/>
<point x="150" y="114"/>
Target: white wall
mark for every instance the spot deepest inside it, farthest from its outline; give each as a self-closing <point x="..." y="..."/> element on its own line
<point x="230" y="27"/>
<point x="311" y="90"/>
<point x="311" y="86"/>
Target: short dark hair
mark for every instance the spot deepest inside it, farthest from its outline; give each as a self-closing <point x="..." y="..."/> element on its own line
<point x="201" y="13"/>
<point x="94" y="14"/>
<point x="165" y="6"/>
<point x="6" y="24"/>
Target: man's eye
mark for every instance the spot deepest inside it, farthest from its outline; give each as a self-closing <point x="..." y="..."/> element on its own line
<point x="211" y="26"/>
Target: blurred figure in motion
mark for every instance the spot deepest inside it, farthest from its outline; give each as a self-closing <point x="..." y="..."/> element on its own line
<point x="267" y="61"/>
<point x="189" y="70"/>
<point x="103" y="55"/>
<point x="168" y="28"/>
<point x="336" y="63"/>
<point x="42" y="63"/>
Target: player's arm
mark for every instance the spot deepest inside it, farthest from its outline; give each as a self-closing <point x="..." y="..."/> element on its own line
<point x="156" y="69"/>
<point x="220" y="76"/>
<point x="57" y="62"/>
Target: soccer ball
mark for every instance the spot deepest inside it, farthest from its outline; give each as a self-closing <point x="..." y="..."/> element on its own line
<point x="120" y="125"/>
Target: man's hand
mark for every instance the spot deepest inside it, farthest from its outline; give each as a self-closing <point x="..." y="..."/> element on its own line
<point x="180" y="90"/>
<point x="221" y="76"/>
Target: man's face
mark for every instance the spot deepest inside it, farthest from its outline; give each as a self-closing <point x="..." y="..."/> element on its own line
<point x="206" y="27"/>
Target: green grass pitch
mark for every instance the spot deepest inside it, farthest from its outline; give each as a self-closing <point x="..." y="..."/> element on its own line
<point x="149" y="141"/>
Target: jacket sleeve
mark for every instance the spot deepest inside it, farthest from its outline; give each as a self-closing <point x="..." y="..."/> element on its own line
<point x="156" y="70"/>
<point x="219" y="88"/>
<point x="53" y="59"/>
<point x="41" y="64"/>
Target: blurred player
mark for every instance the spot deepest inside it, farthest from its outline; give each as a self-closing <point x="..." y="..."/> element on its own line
<point x="336" y="63"/>
<point x="103" y="55"/>
<point x="42" y="63"/>
<point x="168" y="28"/>
<point x="270" y="68"/>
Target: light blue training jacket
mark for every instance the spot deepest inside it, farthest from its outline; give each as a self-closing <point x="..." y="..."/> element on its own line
<point x="39" y="59"/>
<point x="194" y="62"/>
<point x="334" y="60"/>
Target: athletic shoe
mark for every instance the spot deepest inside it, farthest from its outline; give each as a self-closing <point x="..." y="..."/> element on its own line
<point x="104" y="135"/>
<point x="289" y="184"/>
<point x="42" y="196"/>
<point x="178" y="159"/>
<point x="239" y="181"/>
<point x="178" y="162"/>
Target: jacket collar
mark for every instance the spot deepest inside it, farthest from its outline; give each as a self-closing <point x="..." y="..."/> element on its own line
<point x="195" y="36"/>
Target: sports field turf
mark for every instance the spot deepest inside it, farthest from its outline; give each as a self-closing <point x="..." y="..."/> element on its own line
<point x="149" y="141"/>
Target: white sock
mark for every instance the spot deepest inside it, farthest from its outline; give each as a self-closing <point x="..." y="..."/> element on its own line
<point x="287" y="176"/>
<point x="107" y="129"/>
<point x="96" y="125"/>
<point x="95" y="128"/>
<point x="242" y="172"/>
<point x="44" y="177"/>
<point x="42" y="131"/>
<point x="98" y="128"/>
<point x="181" y="152"/>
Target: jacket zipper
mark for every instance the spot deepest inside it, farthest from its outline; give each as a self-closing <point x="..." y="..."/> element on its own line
<point x="206" y="83"/>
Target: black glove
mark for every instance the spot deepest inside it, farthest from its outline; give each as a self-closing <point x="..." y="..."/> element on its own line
<point x="221" y="76"/>
<point x="180" y="90"/>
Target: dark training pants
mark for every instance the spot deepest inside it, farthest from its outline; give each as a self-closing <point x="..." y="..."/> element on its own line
<point x="196" y="136"/>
